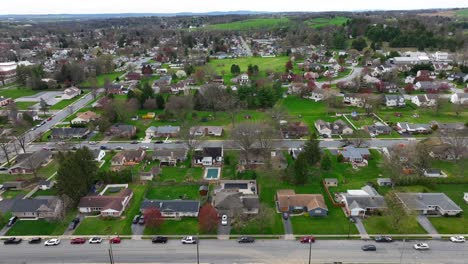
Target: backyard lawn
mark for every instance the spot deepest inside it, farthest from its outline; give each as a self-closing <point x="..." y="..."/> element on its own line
<point x="24" y="105"/>
<point x="452" y="225"/>
<point x="180" y="174"/>
<point x="102" y="78"/>
<point x="120" y="226"/>
<point x="253" y="228"/>
<point x="41" y="227"/>
<point x="169" y="192"/>
<point x="186" y="226"/>
<point x="16" y="92"/>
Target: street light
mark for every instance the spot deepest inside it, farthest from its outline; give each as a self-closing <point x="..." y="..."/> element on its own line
<point x="198" y="251"/>
<point x="310" y="249"/>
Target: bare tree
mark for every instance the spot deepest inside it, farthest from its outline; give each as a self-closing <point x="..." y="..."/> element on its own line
<point x="43" y="106"/>
<point x="22" y="141"/>
<point x="457" y="142"/>
<point x="396" y="212"/>
<point x="5" y="147"/>
<point x="278" y="113"/>
<point x="250" y="137"/>
<point x="189" y="137"/>
<point x="179" y="106"/>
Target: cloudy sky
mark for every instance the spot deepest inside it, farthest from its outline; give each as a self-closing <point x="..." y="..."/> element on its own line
<point x="164" y="6"/>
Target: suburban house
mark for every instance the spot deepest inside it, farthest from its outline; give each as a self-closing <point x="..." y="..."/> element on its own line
<point x="216" y="131"/>
<point x="459" y="98"/>
<point x="169" y="156"/>
<point x="389" y="87"/>
<point x="115" y="88"/>
<point x="5" y="101"/>
<point x="317" y="94"/>
<point x="434" y="173"/>
<point x="429" y="86"/>
<point x="167" y="131"/>
<point x="69" y="132"/>
<point x="258" y="158"/>
<point x="208" y="156"/>
<point x="85" y="117"/>
<point x="42" y="207"/>
<point x="404" y="127"/>
<point x="122" y="131"/>
<point x="13" y="185"/>
<point x="70" y="93"/>
<point x="98" y="154"/>
<point x="424" y="100"/>
<point x="28" y="163"/>
<point x="236" y="197"/>
<point x="173" y="208"/>
<point x="106" y="205"/>
<point x="133" y="76"/>
<point x="327" y="129"/>
<point x="429" y="203"/>
<point x="394" y="100"/>
<point x="295" y="130"/>
<point x="128" y="157"/>
<point x="355" y="155"/>
<point x="378" y="129"/>
<point x="290" y="202"/>
<point x="362" y="202"/>
<point x="353" y="100"/>
<point x="451" y="127"/>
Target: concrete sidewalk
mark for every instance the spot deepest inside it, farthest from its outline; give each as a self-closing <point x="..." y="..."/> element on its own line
<point x="427" y="225"/>
<point x="360" y="227"/>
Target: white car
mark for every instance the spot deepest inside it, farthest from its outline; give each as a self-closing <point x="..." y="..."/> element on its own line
<point x="457" y="239"/>
<point x="92" y="142"/>
<point x="224" y="220"/>
<point x="421" y="246"/>
<point x="52" y="242"/>
<point x="189" y="240"/>
<point x="95" y="240"/>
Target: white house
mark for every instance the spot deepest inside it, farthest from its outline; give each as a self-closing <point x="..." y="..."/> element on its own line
<point x="441" y="56"/>
<point x="459" y="98"/>
<point x="424" y="99"/>
<point x="353" y="100"/>
<point x="394" y="100"/>
<point x="71" y="93"/>
<point x="99" y="154"/>
<point x="317" y="95"/>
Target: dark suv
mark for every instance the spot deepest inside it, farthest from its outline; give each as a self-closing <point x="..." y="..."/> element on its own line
<point x="159" y="239"/>
<point x="12" y="240"/>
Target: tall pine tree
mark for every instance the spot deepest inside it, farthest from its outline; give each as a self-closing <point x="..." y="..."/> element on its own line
<point x="312" y="150"/>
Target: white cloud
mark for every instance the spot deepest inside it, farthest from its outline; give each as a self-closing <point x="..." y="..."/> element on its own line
<point x="160" y="6"/>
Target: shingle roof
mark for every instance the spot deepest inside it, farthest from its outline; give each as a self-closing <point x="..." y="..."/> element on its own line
<point x="34" y="160"/>
<point x="288" y="198"/>
<point x="421" y="201"/>
<point x="182" y="206"/>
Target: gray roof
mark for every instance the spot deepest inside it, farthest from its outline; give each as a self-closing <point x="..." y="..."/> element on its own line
<point x="182" y="206"/>
<point x="352" y="152"/>
<point x="34" y="160"/>
<point x="229" y="200"/>
<point x="167" y="129"/>
<point x="32" y="205"/>
<point x="69" y="132"/>
<point x="421" y="201"/>
<point x="178" y="153"/>
<point x="384" y="180"/>
<point x="358" y="201"/>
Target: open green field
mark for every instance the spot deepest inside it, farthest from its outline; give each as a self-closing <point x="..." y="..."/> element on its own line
<point x="335" y="223"/>
<point x="250" y="24"/>
<point x="322" y="21"/>
<point x="381" y="225"/>
<point x="41" y="227"/>
<point x="462" y="13"/>
<point x="119" y="226"/>
<point x="16" y="92"/>
<point x="24" y="105"/>
<point x="252" y="228"/>
<point x="185" y="226"/>
<point x="100" y="79"/>
<point x="452" y="225"/>
<point x="181" y="174"/>
<point x="169" y="192"/>
<point x="276" y="64"/>
<point x="64" y="103"/>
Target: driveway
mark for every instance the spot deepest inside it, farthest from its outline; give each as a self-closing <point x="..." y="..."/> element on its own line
<point x="138" y="229"/>
<point x="288" y="230"/>
<point x="360" y="227"/>
<point x="427" y="225"/>
<point x="224" y="231"/>
<point x="70" y="232"/>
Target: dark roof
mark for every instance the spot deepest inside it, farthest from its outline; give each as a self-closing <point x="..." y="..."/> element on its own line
<point x="184" y="206"/>
<point x="32" y="205"/>
<point x="213" y="152"/>
<point x="34" y="160"/>
<point x="69" y="132"/>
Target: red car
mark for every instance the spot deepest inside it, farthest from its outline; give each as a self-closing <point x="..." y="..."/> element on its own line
<point x="307" y="239"/>
<point x="115" y="240"/>
<point x="50" y="118"/>
<point x="78" y="240"/>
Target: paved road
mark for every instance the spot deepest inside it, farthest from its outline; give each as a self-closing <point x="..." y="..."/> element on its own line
<point x="247" y="50"/>
<point x="228" y="251"/>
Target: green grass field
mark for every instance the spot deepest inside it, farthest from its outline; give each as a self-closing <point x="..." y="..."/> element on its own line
<point x="16" y="92"/>
<point x="168" y="192"/>
<point x="100" y="79"/>
<point x="186" y="226"/>
<point x="462" y="13"/>
<point x="41" y="227"/>
<point x="250" y="24"/>
<point x="322" y="21"/>
<point x="335" y="223"/>
<point x="452" y="225"/>
<point x="24" y="105"/>
<point x="252" y="228"/>
<point x="381" y="225"/>
<point x="119" y="226"/>
<point x="64" y="103"/>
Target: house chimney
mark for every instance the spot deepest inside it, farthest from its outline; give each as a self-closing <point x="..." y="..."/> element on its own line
<point x="420" y="196"/>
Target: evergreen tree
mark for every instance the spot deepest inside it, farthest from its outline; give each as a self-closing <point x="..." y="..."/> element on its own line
<point x="312" y="150"/>
<point x="76" y="174"/>
<point x="301" y="168"/>
<point x="326" y="162"/>
<point x="160" y="101"/>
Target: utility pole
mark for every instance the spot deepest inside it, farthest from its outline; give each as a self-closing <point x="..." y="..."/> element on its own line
<point x="111" y="254"/>
<point x="310" y="249"/>
<point x="198" y="251"/>
<point x="402" y="251"/>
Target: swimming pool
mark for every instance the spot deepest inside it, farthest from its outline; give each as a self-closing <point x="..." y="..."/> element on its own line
<point x="212" y="173"/>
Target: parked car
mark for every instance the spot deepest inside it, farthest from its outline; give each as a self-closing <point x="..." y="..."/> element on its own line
<point x="189" y="240"/>
<point x="368" y="248"/>
<point x="35" y="240"/>
<point x="115" y="240"/>
<point x="52" y="242"/>
<point x="307" y="239"/>
<point x="95" y="240"/>
<point x="421" y="246"/>
<point x="12" y="240"/>
<point x="103" y="147"/>
<point x="136" y="219"/>
<point x="12" y="221"/>
<point x="383" y="239"/>
<point x="92" y="142"/>
<point x="246" y="239"/>
<point x="158" y="142"/>
<point x="457" y="239"/>
<point x="118" y="148"/>
<point x="285" y="216"/>
<point x="142" y="220"/>
<point x="159" y="239"/>
<point x="352" y="220"/>
<point x="3" y="169"/>
<point x="50" y="118"/>
<point x="78" y="240"/>
<point x="74" y="223"/>
<point x="224" y="220"/>
<point x="134" y="142"/>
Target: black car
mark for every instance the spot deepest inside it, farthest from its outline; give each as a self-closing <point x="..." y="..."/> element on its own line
<point x="103" y="147"/>
<point x="35" y="240"/>
<point x="142" y="220"/>
<point x="285" y="216"/>
<point x="383" y="239"/>
<point x="368" y="248"/>
<point x="246" y="240"/>
<point x="159" y="239"/>
<point x="12" y="240"/>
<point x="74" y="223"/>
<point x="136" y="219"/>
<point x="158" y="142"/>
<point x="134" y="142"/>
<point x="12" y="221"/>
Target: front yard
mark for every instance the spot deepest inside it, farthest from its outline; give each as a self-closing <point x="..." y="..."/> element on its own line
<point x="186" y="226"/>
<point x="111" y="226"/>
<point x="335" y="223"/>
<point x="381" y="225"/>
<point x="41" y="227"/>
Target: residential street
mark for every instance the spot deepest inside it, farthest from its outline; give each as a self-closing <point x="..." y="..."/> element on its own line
<point x="228" y="251"/>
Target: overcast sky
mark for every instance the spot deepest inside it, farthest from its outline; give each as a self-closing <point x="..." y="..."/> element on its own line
<point x="164" y="6"/>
